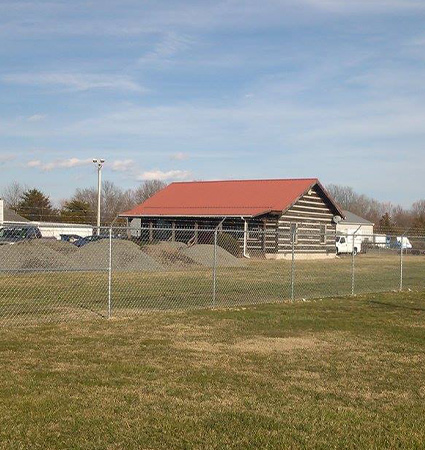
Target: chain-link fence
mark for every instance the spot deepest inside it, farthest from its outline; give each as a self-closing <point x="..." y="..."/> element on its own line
<point x="116" y="272"/>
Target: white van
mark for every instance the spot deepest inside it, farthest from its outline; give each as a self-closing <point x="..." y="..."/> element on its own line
<point x="403" y="241"/>
<point x="345" y="244"/>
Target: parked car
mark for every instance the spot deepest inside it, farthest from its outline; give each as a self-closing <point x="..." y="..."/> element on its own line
<point x="70" y="238"/>
<point x="97" y="237"/>
<point x="13" y="234"/>
<point x="85" y="240"/>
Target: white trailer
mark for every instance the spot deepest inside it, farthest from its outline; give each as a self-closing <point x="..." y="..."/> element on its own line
<point x="55" y="230"/>
<point x="380" y="240"/>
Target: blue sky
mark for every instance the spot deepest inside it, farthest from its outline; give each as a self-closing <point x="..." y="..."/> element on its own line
<point x="182" y="90"/>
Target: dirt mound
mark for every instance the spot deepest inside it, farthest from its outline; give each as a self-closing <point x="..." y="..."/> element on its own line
<point x="203" y="254"/>
<point x="169" y="254"/>
<point x="31" y="255"/>
<point x="126" y="255"/>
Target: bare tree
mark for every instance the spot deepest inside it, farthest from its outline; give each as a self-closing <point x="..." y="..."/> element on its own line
<point x="403" y="218"/>
<point x="147" y="189"/>
<point x="343" y="195"/>
<point x="360" y="204"/>
<point x="12" y="194"/>
<point x="418" y="213"/>
<point x="114" y="200"/>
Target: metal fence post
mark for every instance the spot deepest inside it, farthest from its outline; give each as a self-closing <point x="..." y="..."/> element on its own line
<point x="214" y="293"/>
<point x="353" y="255"/>
<point x="293" y="234"/>
<point x="401" y="261"/>
<point x="110" y="275"/>
<point x="352" y="268"/>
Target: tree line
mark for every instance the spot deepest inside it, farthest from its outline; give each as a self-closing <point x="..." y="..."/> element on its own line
<point x="386" y="216"/>
<point x="35" y="205"/>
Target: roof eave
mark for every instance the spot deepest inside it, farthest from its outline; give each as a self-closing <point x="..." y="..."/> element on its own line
<point x="348" y="222"/>
<point x="238" y="216"/>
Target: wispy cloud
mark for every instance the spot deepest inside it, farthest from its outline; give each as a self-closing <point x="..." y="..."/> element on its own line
<point x="36" y="117"/>
<point x="6" y="158"/>
<point x="58" y="164"/>
<point x="124" y="165"/>
<point x="34" y="163"/>
<point x="179" y="156"/>
<point x="164" y="176"/>
<point x="129" y="18"/>
<point x="361" y="6"/>
<point x="74" y="81"/>
<point x="171" y="44"/>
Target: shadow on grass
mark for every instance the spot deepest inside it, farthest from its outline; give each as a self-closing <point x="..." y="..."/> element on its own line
<point x="392" y="305"/>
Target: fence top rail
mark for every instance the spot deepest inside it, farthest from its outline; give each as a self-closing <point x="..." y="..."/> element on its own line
<point x="67" y="228"/>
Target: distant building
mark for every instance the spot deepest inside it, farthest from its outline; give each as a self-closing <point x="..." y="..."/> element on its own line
<point x="8" y="217"/>
<point x="352" y="223"/>
<point x="267" y="210"/>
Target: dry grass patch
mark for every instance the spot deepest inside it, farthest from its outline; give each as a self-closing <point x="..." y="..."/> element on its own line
<point x="266" y="345"/>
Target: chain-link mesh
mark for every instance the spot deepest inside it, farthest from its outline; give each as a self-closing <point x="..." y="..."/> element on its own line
<point x="157" y="268"/>
<point x="318" y="270"/>
<point x="115" y="272"/>
<point x="247" y="271"/>
<point x="52" y="278"/>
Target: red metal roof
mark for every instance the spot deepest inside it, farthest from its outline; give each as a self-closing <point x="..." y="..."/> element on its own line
<point x="246" y="198"/>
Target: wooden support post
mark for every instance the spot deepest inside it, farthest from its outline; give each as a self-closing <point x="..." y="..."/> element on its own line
<point x="245" y="239"/>
<point x="173" y="231"/>
<point x="150" y="231"/>
<point x="196" y="233"/>
<point x="276" y="236"/>
<point x="128" y="229"/>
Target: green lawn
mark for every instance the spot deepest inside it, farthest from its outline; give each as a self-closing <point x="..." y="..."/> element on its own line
<point x="331" y="373"/>
<point x="37" y="297"/>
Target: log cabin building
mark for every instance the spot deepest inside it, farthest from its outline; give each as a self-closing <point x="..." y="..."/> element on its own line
<point x="262" y="214"/>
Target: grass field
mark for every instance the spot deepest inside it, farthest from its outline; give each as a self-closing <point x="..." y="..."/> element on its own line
<point x="55" y="296"/>
<point x="336" y="373"/>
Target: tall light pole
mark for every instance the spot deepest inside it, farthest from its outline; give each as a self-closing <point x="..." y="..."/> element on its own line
<point x="99" y="163"/>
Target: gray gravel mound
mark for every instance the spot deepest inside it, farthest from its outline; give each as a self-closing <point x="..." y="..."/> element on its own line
<point x="31" y="255"/>
<point x="65" y="248"/>
<point x="169" y="254"/>
<point x="126" y="255"/>
<point x="203" y="254"/>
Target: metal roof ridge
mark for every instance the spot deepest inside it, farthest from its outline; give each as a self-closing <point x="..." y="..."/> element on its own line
<point x="242" y="180"/>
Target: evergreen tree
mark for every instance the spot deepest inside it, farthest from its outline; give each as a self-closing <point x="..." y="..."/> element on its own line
<point x="386" y="224"/>
<point x="76" y="211"/>
<point x="34" y="205"/>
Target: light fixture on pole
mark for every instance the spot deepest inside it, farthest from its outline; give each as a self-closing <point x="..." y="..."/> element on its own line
<point x="99" y="163"/>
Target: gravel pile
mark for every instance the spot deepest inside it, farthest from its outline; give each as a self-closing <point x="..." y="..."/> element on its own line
<point x="126" y="255"/>
<point x="31" y="255"/>
<point x="203" y="254"/>
<point x="59" y="246"/>
<point x="170" y="254"/>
